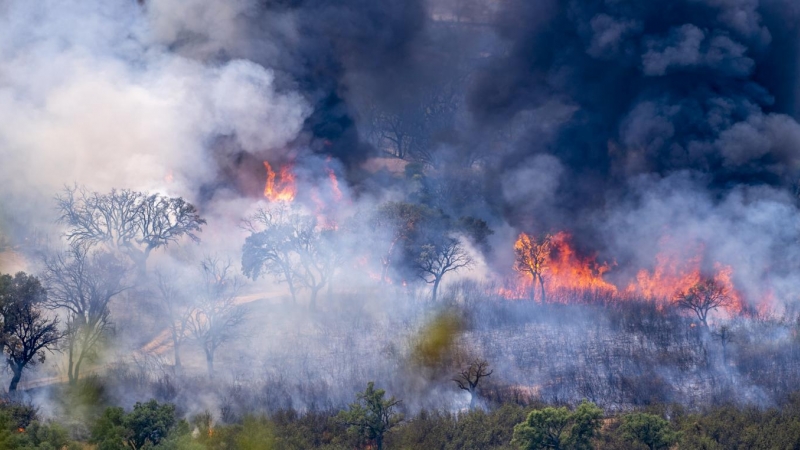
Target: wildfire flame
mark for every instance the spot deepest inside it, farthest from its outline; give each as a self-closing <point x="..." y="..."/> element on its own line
<point x="564" y="269"/>
<point x="560" y="266"/>
<point x="337" y="193"/>
<point x="283" y="188"/>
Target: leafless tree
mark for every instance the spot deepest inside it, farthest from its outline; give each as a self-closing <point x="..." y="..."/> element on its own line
<point x="26" y="331"/>
<point x="706" y="295"/>
<point x="175" y="309"/>
<point x="134" y="223"/>
<point x="532" y="258"/>
<point x="82" y="283"/>
<point x="216" y="317"/>
<point x="469" y="378"/>
<point x="437" y="259"/>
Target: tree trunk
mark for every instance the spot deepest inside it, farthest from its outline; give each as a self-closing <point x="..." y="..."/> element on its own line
<point x="176" y="348"/>
<point x="436" y="282"/>
<point x="379" y="442"/>
<point x="541" y="284"/>
<point x="17" y="370"/>
<point x="471" y="400"/>
<point x="312" y="304"/>
<point x="210" y="362"/>
<point x="76" y="370"/>
<point x="70" y="363"/>
<point x="291" y="289"/>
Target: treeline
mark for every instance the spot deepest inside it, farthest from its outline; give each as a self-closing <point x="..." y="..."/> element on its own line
<point x="375" y="422"/>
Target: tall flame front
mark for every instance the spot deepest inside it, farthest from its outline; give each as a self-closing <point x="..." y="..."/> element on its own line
<point x="281" y="186"/>
<point x="674" y="273"/>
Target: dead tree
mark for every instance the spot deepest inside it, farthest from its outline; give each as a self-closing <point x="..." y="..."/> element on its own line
<point x="82" y="283"/>
<point x="437" y="259"/>
<point x="216" y="317"/>
<point x="26" y="331"/>
<point x="469" y="378"/>
<point x="133" y="223"/>
<point x="532" y="258"/>
<point x="175" y="310"/>
<point x="706" y="295"/>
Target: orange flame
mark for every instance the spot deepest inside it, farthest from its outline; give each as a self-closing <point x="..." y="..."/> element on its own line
<point x="283" y="189"/>
<point x="561" y="266"/>
<point x="337" y="193"/>
<point x="568" y="270"/>
<point x="564" y="269"/>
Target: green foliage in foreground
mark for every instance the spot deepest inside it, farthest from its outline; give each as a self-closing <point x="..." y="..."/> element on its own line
<point x="156" y="426"/>
<point x="559" y="428"/>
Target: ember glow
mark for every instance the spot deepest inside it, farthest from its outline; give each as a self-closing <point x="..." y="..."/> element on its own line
<point x="280" y="187"/>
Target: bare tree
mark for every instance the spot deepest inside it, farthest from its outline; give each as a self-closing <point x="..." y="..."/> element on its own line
<point x="532" y="258"/>
<point x="706" y="295"/>
<point x="134" y="223"/>
<point x="82" y="283"/>
<point x="437" y="259"/>
<point x="216" y="317"/>
<point x="27" y="332"/>
<point x="175" y="309"/>
<point x="270" y="248"/>
<point x="469" y="378"/>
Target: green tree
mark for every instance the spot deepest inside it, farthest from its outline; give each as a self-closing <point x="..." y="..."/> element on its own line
<point x="144" y="427"/>
<point x="558" y="428"/>
<point x="649" y="429"/>
<point x="371" y="416"/>
<point x="26" y="332"/>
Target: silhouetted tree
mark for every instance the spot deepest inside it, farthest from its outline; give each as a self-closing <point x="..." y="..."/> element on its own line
<point x="319" y="256"/>
<point x="437" y="259"/>
<point x="371" y="417"/>
<point x="216" y="318"/>
<point x="292" y="247"/>
<point x="26" y="332"/>
<point x="400" y="221"/>
<point x="469" y="378"/>
<point x="270" y="248"/>
<point x="82" y="283"/>
<point x="134" y="223"/>
<point x="532" y="258"/>
<point x="706" y="295"/>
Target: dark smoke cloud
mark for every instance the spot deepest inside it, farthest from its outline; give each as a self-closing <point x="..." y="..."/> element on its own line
<point x="315" y="45"/>
<point x="660" y="88"/>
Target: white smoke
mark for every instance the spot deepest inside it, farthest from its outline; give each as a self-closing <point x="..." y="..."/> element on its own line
<point x="88" y="95"/>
